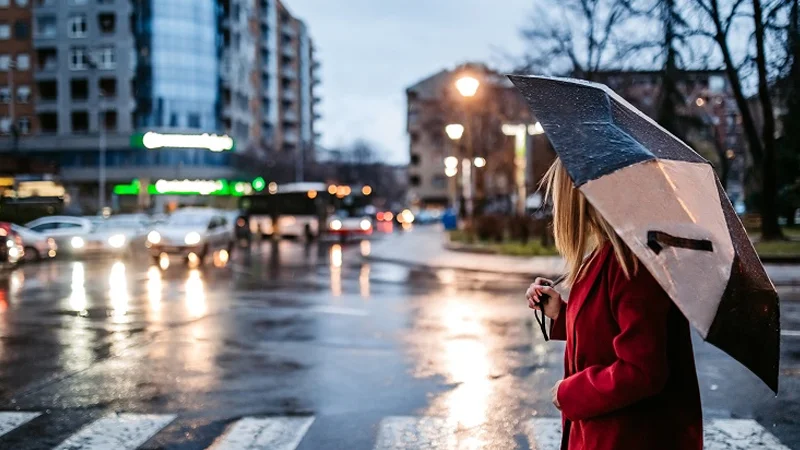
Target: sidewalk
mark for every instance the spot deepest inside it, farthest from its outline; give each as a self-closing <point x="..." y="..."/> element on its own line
<point x="424" y="248"/>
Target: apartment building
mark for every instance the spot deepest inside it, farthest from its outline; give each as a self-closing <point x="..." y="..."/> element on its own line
<point x="154" y="90"/>
<point x="17" y="83"/>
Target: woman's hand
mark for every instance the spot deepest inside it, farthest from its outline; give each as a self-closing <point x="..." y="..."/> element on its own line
<point x="534" y="294"/>
<point x="554" y="392"/>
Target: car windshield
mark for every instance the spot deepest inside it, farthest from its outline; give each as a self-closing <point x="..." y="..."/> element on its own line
<point x="199" y="220"/>
<point x="119" y="224"/>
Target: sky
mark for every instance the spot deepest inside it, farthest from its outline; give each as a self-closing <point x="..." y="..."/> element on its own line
<point x="371" y="50"/>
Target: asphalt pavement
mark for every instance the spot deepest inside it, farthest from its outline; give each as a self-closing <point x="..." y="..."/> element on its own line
<point x="308" y="346"/>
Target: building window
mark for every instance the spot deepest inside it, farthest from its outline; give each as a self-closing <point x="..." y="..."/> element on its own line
<point x="24" y="125"/>
<point x="79" y="89"/>
<point x="48" y="122"/>
<point x="48" y="90"/>
<point x="414" y="159"/>
<point x="439" y="182"/>
<point x="23" y="61"/>
<point x="21" y="3"/>
<point x="78" y="59"/>
<point x="23" y="94"/>
<point x="79" y="2"/>
<point x="47" y="59"/>
<point x="5" y="94"/>
<point x="4" y="3"/>
<point x="5" y="31"/>
<point x="22" y="29"/>
<point x="109" y="120"/>
<point x="76" y="26"/>
<point x="5" y="125"/>
<point x="47" y="2"/>
<point x="5" y="62"/>
<point x="194" y="120"/>
<point x="108" y="87"/>
<point x="106" y="58"/>
<point x="414" y="180"/>
<point x="107" y="22"/>
<point x="46" y="27"/>
<point x="80" y="122"/>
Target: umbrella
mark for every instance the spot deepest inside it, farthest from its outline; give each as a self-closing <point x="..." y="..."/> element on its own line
<point x="665" y="201"/>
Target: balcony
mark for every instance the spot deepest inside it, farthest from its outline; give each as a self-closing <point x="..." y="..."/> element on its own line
<point x="288" y="30"/>
<point x="290" y="137"/>
<point x="288" y="94"/>
<point x="290" y="117"/>
<point x="289" y="73"/>
<point x="317" y="100"/>
<point x="287" y="50"/>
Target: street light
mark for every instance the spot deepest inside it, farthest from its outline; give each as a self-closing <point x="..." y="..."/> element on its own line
<point x="454" y="131"/>
<point x="479" y="162"/>
<point x="467" y="86"/>
<point x="451" y="162"/>
<point x="450" y="171"/>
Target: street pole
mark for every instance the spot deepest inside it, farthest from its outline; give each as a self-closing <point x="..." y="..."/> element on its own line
<point x="11" y="112"/>
<point x="102" y="162"/>
<point x="298" y="175"/>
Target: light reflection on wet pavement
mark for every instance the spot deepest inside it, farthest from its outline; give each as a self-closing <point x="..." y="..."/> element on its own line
<point x="292" y="329"/>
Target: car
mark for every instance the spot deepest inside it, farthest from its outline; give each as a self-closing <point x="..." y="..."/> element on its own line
<point x="239" y="226"/>
<point x="11" y="250"/>
<point x="191" y="234"/>
<point x="36" y="246"/>
<point x="344" y="226"/>
<point x="70" y="233"/>
<point x="118" y="235"/>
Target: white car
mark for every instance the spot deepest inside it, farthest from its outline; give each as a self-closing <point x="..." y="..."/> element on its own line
<point x="192" y="234"/>
<point x="37" y="246"/>
<point x="344" y="226"/>
<point x="118" y="235"/>
<point x="70" y="233"/>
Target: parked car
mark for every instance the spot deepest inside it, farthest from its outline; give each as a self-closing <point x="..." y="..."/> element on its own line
<point x="70" y="233"/>
<point x="11" y="250"/>
<point x="239" y="226"/>
<point x="36" y="246"/>
<point x="118" y="235"/>
<point x="192" y="234"/>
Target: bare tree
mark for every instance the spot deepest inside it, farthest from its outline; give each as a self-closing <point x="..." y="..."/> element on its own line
<point x="578" y="40"/>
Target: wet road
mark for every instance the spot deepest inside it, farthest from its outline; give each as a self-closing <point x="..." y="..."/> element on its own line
<point x="292" y="346"/>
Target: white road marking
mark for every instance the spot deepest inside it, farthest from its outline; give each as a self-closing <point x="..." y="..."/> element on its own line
<point x="417" y="433"/>
<point x="11" y="420"/>
<point x="792" y="333"/>
<point x="544" y="434"/>
<point x="739" y="434"/>
<point x="117" y="431"/>
<point x="718" y="434"/>
<point x="274" y="433"/>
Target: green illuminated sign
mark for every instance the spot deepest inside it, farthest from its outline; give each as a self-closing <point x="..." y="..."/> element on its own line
<point x="187" y="187"/>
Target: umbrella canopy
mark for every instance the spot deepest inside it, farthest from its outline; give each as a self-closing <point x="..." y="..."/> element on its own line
<point x="665" y="201"/>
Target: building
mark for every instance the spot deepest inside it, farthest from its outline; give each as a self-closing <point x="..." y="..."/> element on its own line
<point x="491" y="121"/>
<point x="140" y="90"/>
<point x="710" y="116"/>
<point x="17" y="84"/>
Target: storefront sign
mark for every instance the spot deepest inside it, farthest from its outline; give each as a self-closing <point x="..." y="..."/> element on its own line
<point x="152" y="140"/>
<point x="188" y="187"/>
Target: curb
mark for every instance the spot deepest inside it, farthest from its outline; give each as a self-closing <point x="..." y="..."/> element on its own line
<point x="428" y="267"/>
<point x="780" y="260"/>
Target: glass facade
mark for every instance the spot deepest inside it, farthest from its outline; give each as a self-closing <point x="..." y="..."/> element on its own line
<point x="181" y="65"/>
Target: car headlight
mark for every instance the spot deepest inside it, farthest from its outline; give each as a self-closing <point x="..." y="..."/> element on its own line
<point x="10" y="243"/>
<point x="336" y="225"/>
<point x="192" y="238"/>
<point x="154" y="237"/>
<point x="13" y="252"/>
<point x="365" y="225"/>
<point x="77" y="242"/>
<point x="117" y="240"/>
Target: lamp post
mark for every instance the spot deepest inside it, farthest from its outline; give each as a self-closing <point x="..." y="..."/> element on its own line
<point x="521" y="132"/>
<point x="101" y="188"/>
<point x="467" y="86"/>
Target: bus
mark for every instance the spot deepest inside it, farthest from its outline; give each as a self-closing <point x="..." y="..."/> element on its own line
<point x="298" y="207"/>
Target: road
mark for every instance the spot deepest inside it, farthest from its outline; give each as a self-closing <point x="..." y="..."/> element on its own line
<point x="306" y="346"/>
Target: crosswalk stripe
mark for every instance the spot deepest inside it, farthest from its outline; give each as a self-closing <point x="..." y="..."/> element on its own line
<point x="274" y="433"/>
<point x="117" y="431"/>
<point x="544" y="434"/>
<point x="419" y="433"/>
<point x="739" y="434"/>
<point x="12" y="420"/>
<point x="718" y="434"/>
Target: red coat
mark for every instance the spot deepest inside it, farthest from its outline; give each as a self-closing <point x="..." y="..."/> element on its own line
<point x="630" y="381"/>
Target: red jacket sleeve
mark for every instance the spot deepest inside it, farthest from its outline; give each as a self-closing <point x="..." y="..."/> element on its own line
<point x="558" y="327"/>
<point x="640" y="307"/>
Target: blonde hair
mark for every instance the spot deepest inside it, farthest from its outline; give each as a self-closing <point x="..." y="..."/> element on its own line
<point x="578" y="227"/>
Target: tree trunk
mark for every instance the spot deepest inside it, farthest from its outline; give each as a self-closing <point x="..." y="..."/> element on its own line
<point x="769" y="187"/>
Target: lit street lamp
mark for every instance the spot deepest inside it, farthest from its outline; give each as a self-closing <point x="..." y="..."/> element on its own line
<point x="467" y="86"/>
<point x="479" y="162"/>
<point x="454" y="131"/>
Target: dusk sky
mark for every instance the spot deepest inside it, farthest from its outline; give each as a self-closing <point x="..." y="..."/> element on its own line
<point x="371" y="51"/>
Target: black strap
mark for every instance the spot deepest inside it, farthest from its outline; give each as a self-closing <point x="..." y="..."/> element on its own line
<point x="543" y="301"/>
<point x="657" y="240"/>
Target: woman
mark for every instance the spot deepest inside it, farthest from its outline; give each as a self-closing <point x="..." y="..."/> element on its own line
<point x="630" y="380"/>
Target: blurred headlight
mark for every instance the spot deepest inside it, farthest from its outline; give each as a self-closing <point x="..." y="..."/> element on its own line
<point x="10" y="243"/>
<point x="192" y="238"/>
<point x="154" y="237"/>
<point x="365" y="225"/>
<point x="336" y="225"/>
<point x="77" y="242"/>
<point x="117" y="240"/>
<point x="13" y="252"/>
